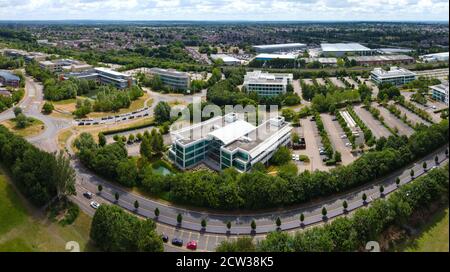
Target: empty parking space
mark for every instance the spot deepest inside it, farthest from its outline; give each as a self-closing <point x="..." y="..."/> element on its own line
<point x="414" y="118"/>
<point x="352" y="82"/>
<point x="312" y="138"/>
<point x="393" y="122"/>
<point x="337" y="82"/>
<point x="334" y="133"/>
<point x="308" y="81"/>
<point x="378" y="130"/>
<point x="321" y="81"/>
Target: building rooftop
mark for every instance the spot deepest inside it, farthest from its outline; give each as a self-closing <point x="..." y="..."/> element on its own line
<point x="393" y="72"/>
<point x="266" y="78"/>
<point x="232" y="131"/>
<point x="343" y="47"/>
<point x="224" y="57"/>
<point x="170" y="72"/>
<point x="8" y="76"/>
<point x="111" y="72"/>
<point x="276" y="56"/>
<point x="381" y="58"/>
<point x="279" y="46"/>
<point x="443" y="87"/>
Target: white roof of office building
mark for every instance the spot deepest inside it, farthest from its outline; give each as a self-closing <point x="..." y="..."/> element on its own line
<point x="443" y="88"/>
<point x="343" y="47"/>
<point x="436" y="55"/>
<point x="224" y="57"/>
<point x="276" y="56"/>
<point x="109" y="71"/>
<point x="279" y="46"/>
<point x="233" y="131"/>
<point x="170" y="72"/>
<point x="393" y="72"/>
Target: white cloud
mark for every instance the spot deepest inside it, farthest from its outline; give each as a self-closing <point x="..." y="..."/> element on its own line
<point x="225" y="9"/>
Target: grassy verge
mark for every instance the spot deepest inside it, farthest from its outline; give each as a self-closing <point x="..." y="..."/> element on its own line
<point x="34" y="127"/>
<point x="25" y="229"/>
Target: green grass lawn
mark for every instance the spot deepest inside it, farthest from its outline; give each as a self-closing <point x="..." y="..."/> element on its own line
<point x="23" y="228"/>
<point x="433" y="236"/>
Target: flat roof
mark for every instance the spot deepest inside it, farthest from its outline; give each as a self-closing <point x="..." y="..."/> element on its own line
<point x="381" y="58"/>
<point x="443" y="87"/>
<point x="232" y="131"/>
<point x="8" y="76"/>
<point x="169" y="72"/>
<point x="109" y="71"/>
<point x="275" y="56"/>
<point x="225" y="58"/>
<point x="278" y="46"/>
<point x="343" y="47"/>
<point x="393" y="72"/>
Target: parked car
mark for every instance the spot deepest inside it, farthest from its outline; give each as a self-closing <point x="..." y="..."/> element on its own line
<point x="177" y="242"/>
<point x="192" y="245"/>
<point x="165" y="238"/>
<point x="95" y="205"/>
<point x="88" y="195"/>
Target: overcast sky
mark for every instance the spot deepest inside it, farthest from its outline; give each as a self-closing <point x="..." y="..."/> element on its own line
<point x="225" y="9"/>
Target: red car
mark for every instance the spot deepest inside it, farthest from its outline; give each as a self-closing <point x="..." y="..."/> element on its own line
<point x="192" y="245"/>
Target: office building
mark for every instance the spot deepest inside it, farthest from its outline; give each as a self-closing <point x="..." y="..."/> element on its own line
<point x="435" y="57"/>
<point x="342" y="49"/>
<point x="104" y="76"/>
<point x="323" y="61"/>
<point x="268" y="57"/>
<point x="286" y="47"/>
<point x="440" y="92"/>
<point x="9" y="79"/>
<point x="266" y="84"/>
<point x="382" y="60"/>
<point x="229" y="141"/>
<point x="174" y="79"/>
<point x="396" y="76"/>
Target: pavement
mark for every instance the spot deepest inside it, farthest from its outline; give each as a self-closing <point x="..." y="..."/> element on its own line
<point x="393" y="122"/>
<point x="378" y="130"/>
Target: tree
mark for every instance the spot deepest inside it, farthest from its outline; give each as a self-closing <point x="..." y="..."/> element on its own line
<point x="253" y="225"/>
<point x="21" y="121"/>
<point x="146" y="148"/>
<point x="324" y="212"/>
<point x="364" y="197"/>
<point x="302" y="218"/>
<point x="381" y="189"/>
<point x="411" y="173"/>
<point x="446" y="152"/>
<point x="101" y="139"/>
<point x="436" y="160"/>
<point x="100" y="188"/>
<point x="278" y="222"/>
<point x="228" y="225"/>
<point x="156" y="212"/>
<point x="64" y="177"/>
<point x="179" y="218"/>
<point x="48" y="108"/>
<point x="397" y="181"/>
<point x="424" y="165"/>
<point x="345" y="205"/>
<point x="116" y="196"/>
<point x="337" y="156"/>
<point x="281" y="156"/>
<point x="162" y="112"/>
<point x="17" y="111"/>
<point x="203" y="223"/>
<point x="136" y="204"/>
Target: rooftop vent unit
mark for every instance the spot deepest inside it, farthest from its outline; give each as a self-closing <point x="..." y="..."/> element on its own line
<point x="230" y="118"/>
<point x="277" y="122"/>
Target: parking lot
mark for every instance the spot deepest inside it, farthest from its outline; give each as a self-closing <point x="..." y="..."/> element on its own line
<point x="309" y="130"/>
<point x="308" y="81"/>
<point x="321" y="81"/>
<point x="393" y="122"/>
<point x="337" y="82"/>
<point x="336" y="134"/>
<point x="414" y="118"/>
<point x="352" y="82"/>
<point x="378" y="130"/>
<point x="372" y="85"/>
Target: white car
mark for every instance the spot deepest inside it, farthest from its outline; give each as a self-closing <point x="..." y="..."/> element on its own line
<point x="348" y="144"/>
<point x="95" y="205"/>
<point x="343" y="136"/>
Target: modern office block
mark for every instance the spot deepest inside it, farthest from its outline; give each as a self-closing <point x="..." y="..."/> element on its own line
<point x="229" y="141"/>
<point x="440" y="92"/>
<point x="396" y="76"/>
<point x="266" y="84"/>
<point x="172" y="78"/>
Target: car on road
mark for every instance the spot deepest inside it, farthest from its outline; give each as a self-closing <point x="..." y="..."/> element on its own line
<point x="177" y="242"/>
<point x="192" y="245"/>
<point x="164" y="238"/>
<point x="88" y="195"/>
<point x="343" y="136"/>
<point x="95" y="205"/>
<point x="348" y="144"/>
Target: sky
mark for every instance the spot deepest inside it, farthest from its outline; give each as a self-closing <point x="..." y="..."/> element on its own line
<point x="251" y="10"/>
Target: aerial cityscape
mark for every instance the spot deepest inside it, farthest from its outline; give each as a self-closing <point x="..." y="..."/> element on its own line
<point x="179" y="127"/>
